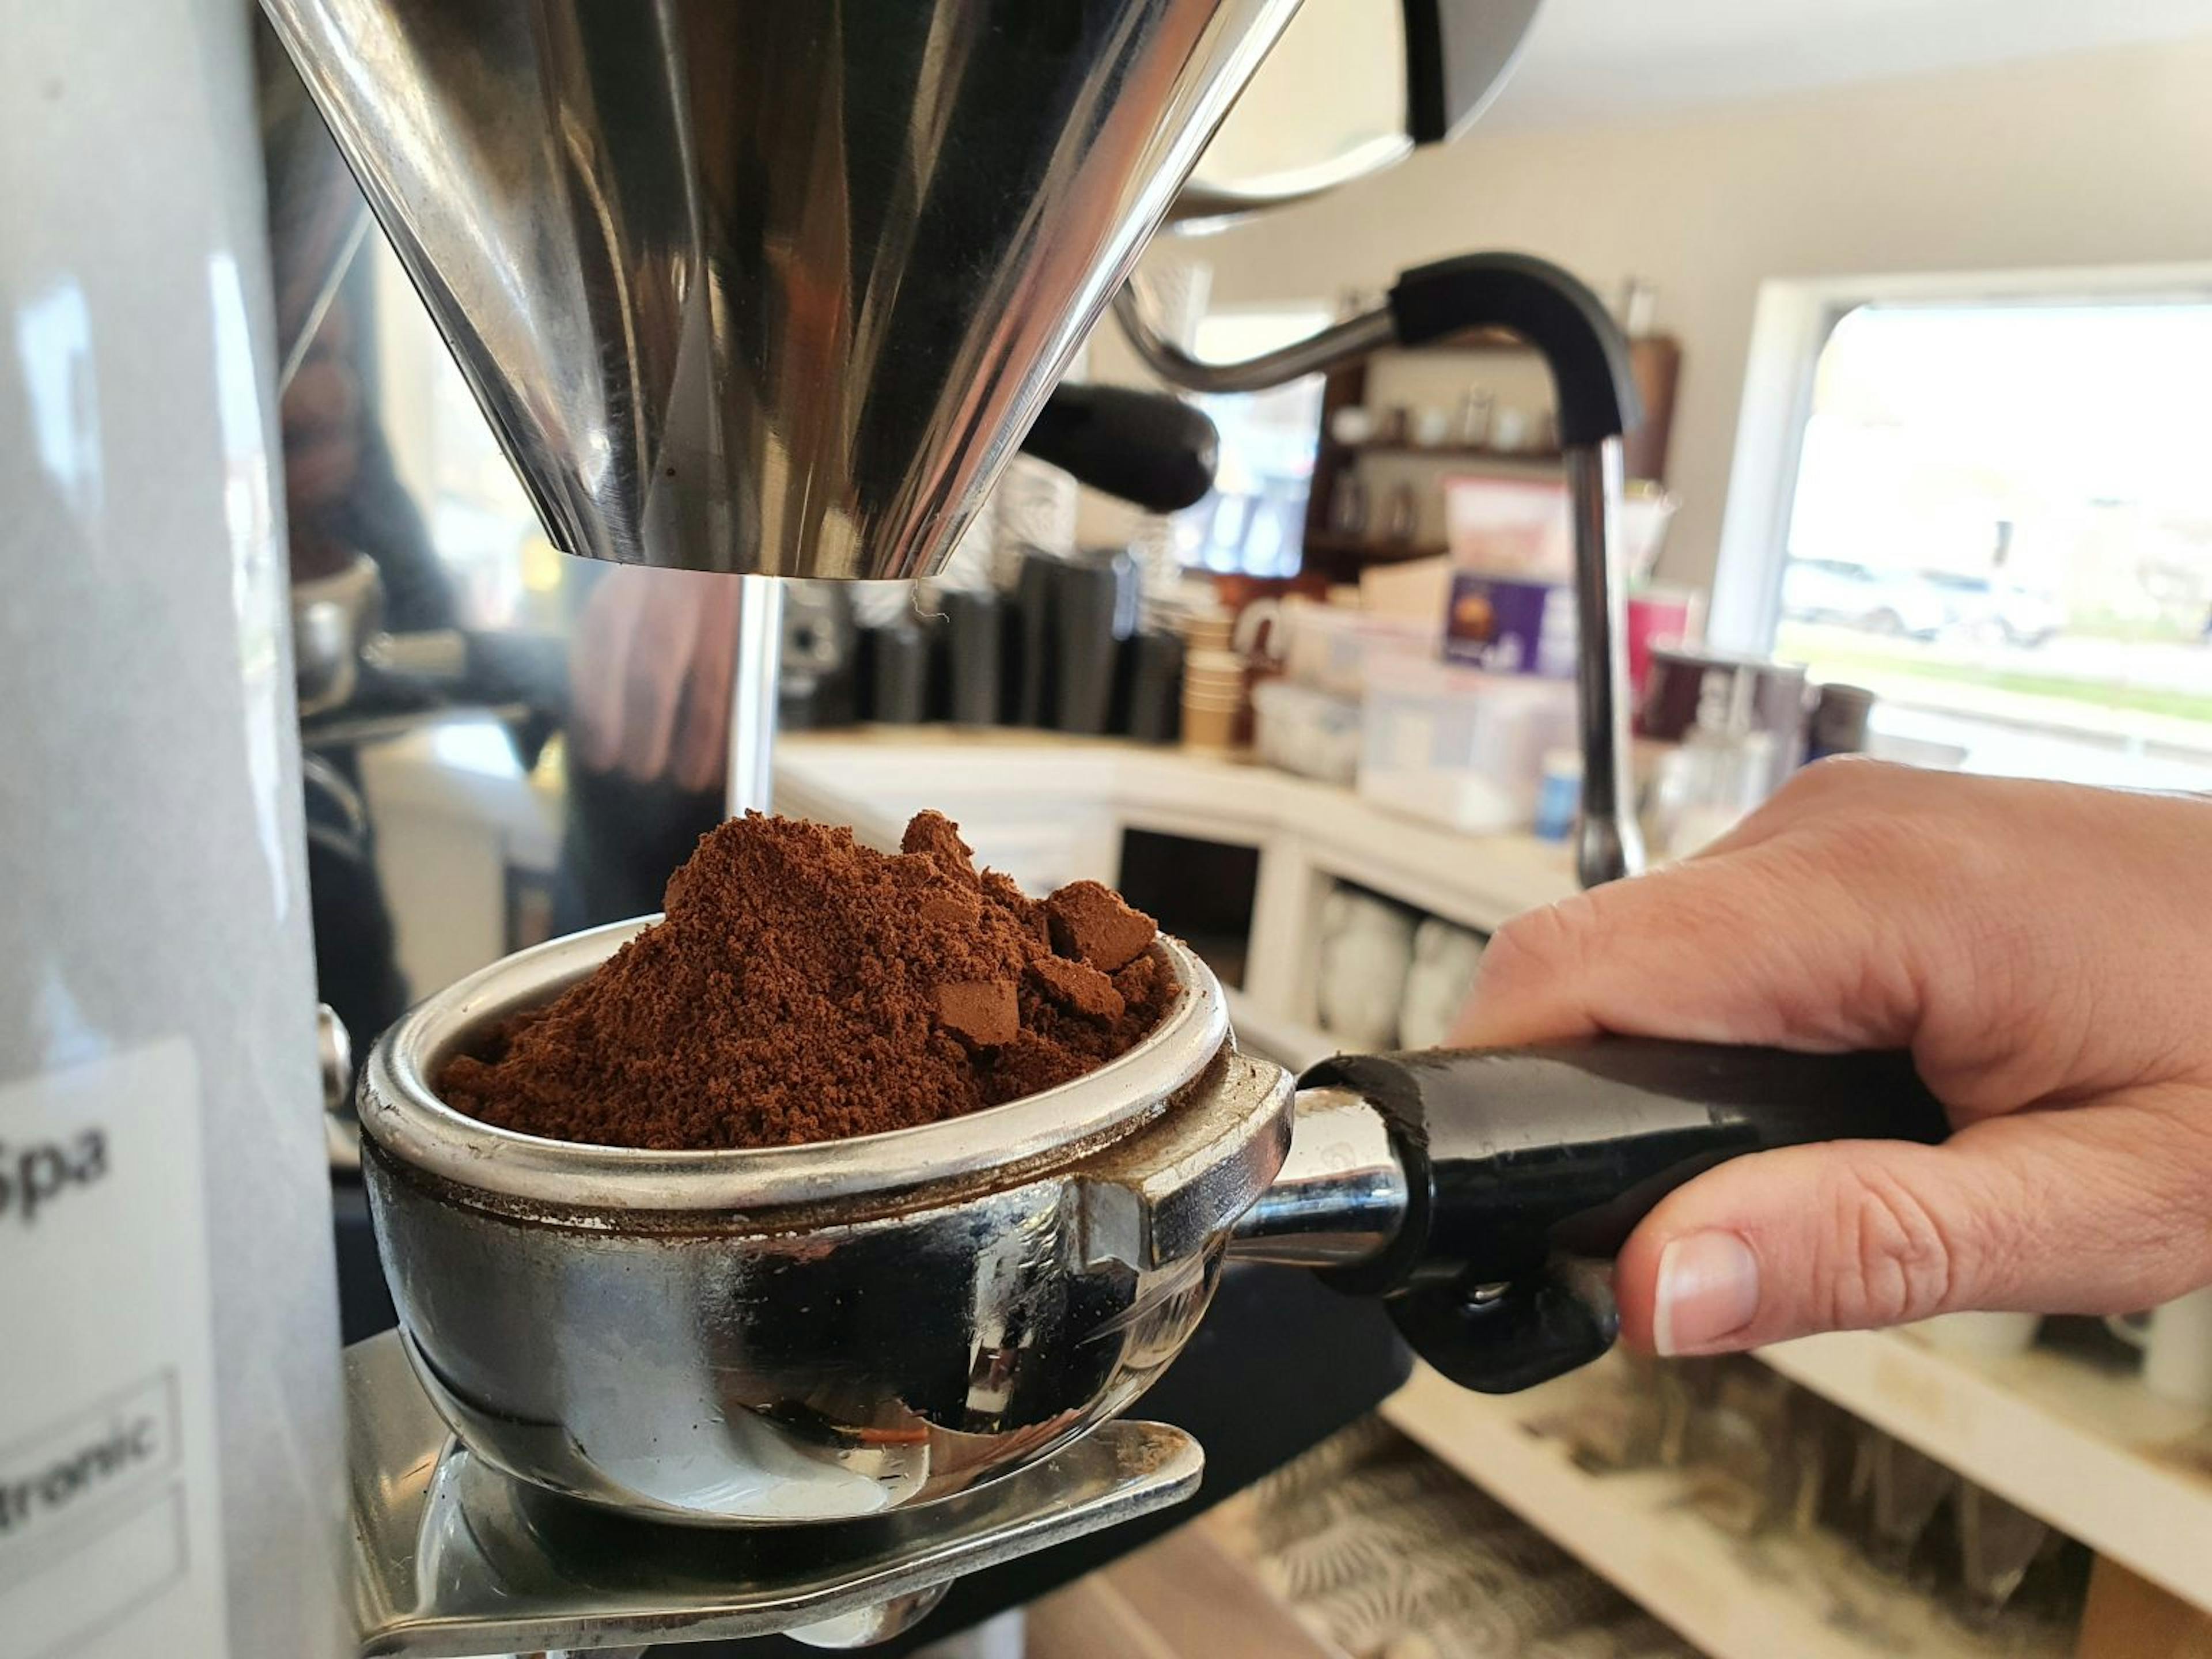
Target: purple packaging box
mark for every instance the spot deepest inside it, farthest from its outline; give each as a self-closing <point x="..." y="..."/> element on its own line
<point x="1505" y="626"/>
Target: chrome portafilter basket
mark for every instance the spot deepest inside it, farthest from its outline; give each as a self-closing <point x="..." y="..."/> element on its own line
<point x="831" y="1337"/>
<point x="642" y="1395"/>
<point x="815" y="1333"/>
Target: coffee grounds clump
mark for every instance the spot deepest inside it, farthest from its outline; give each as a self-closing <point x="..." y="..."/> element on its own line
<point x="805" y="988"/>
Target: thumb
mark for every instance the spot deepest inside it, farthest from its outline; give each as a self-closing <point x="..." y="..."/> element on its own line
<point x="2047" y="1211"/>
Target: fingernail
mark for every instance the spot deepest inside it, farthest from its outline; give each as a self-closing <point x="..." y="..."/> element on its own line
<point x="1708" y="1291"/>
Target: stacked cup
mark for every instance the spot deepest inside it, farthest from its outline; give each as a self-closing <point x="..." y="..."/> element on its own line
<point x="1213" y="698"/>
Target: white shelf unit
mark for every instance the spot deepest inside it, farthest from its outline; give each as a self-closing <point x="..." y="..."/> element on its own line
<point x="1805" y="1597"/>
<point x="1289" y="1044"/>
<point x="2092" y="1454"/>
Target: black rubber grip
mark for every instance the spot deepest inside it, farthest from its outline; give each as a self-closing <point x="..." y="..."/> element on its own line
<point x="1521" y="1163"/>
<point x="1147" y="448"/>
<point x="1554" y="311"/>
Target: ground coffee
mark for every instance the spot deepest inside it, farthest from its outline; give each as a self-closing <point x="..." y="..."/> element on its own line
<point x="805" y="988"/>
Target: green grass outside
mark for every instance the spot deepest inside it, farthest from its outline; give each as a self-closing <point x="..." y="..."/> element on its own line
<point x="2135" y="630"/>
<point x="1875" y="667"/>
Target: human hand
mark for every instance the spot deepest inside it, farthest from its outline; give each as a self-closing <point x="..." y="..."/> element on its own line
<point x="650" y="674"/>
<point x="2045" y="952"/>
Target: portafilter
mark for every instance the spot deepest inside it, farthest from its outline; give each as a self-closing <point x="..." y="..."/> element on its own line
<point x="820" y="1333"/>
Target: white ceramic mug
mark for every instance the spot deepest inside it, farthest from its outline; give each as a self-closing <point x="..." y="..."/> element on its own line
<point x="1444" y="961"/>
<point x="2175" y="1340"/>
<point x="1988" y="1334"/>
<point x="1351" y="426"/>
<point x="1510" y="429"/>
<point x="1366" y="946"/>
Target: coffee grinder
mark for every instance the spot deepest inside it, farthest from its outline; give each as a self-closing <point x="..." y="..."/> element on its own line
<point x="748" y="287"/>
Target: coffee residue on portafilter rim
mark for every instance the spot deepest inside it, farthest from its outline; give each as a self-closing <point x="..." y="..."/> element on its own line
<point x="805" y="988"/>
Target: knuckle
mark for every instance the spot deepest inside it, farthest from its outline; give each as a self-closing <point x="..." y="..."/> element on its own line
<point x="1866" y="812"/>
<point x="1885" y="1258"/>
<point x="1537" y="945"/>
<point x="1872" y="839"/>
<point x="1819" y="781"/>
<point x="1845" y="778"/>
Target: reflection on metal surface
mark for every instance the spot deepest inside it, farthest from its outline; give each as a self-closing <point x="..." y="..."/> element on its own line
<point x="1330" y="348"/>
<point x="809" y="1333"/>
<point x="879" y="1622"/>
<point x="1208" y="204"/>
<point x="745" y="286"/>
<point x="755" y="686"/>
<point x="1330" y="105"/>
<point x="333" y="618"/>
<point x="1341" y="1195"/>
<point x="317" y="218"/>
<point x="1609" y="844"/>
<point x="450" y="1558"/>
<point x="334" y="1051"/>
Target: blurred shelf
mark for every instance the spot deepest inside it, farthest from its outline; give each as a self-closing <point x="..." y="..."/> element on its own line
<point x="1454" y="451"/>
<point x="1655" y="362"/>
<point x="1474" y="340"/>
<point x="874" y="777"/>
<point x="1290" y="1043"/>
<point x="1480" y="882"/>
<point x="1807" y="1597"/>
<point x="2090" y="1451"/>
<point x="1187" y="1596"/>
<point x="1369" y="550"/>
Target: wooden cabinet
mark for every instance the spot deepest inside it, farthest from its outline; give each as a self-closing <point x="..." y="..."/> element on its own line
<point x="1484" y="361"/>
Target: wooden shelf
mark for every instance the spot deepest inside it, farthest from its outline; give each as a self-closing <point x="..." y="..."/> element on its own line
<point x="2092" y="1452"/>
<point x="1454" y="453"/>
<point x="1655" y="362"/>
<point x="1369" y="550"/>
<point x="1809" y="1597"/>
<point x="1475" y="342"/>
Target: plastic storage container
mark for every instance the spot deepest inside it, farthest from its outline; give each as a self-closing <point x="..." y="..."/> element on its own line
<point x="1307" y="732"/>
<point x="1524" y="527"/>
<point x="1459" y="747"/>
<point x="1327" y="647"/>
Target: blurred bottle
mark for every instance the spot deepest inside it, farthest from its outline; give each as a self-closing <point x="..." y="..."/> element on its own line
<point x="1723" y="769"/>
<point x="1839" y="723"/>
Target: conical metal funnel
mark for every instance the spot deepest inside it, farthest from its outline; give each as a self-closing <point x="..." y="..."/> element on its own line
<point x="769" y="286"/>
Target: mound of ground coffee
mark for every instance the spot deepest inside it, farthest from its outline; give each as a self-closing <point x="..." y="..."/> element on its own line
<point x="805" y="988"/>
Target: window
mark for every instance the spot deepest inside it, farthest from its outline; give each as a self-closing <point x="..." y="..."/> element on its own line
<point x="2001" y="523"/>
<point x="1255" y="520"/>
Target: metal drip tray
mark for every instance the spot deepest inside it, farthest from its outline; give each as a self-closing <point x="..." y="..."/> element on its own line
<point x="453" y="1557"/>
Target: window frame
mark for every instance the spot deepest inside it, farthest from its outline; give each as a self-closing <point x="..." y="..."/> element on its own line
<point x="1792" y="323"/>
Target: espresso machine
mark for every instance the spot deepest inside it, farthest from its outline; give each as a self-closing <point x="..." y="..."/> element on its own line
<point x="763" y="289"/>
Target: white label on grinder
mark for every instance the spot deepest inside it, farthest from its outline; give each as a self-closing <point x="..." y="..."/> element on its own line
<point x="111" y="1529"/>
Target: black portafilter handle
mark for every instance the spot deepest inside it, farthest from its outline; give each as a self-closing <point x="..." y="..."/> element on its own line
<point x="1149" y="448"/>
<point x="1526" y="1170"/>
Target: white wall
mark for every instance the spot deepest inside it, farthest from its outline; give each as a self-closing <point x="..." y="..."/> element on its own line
<point x="2100" y="159"/>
